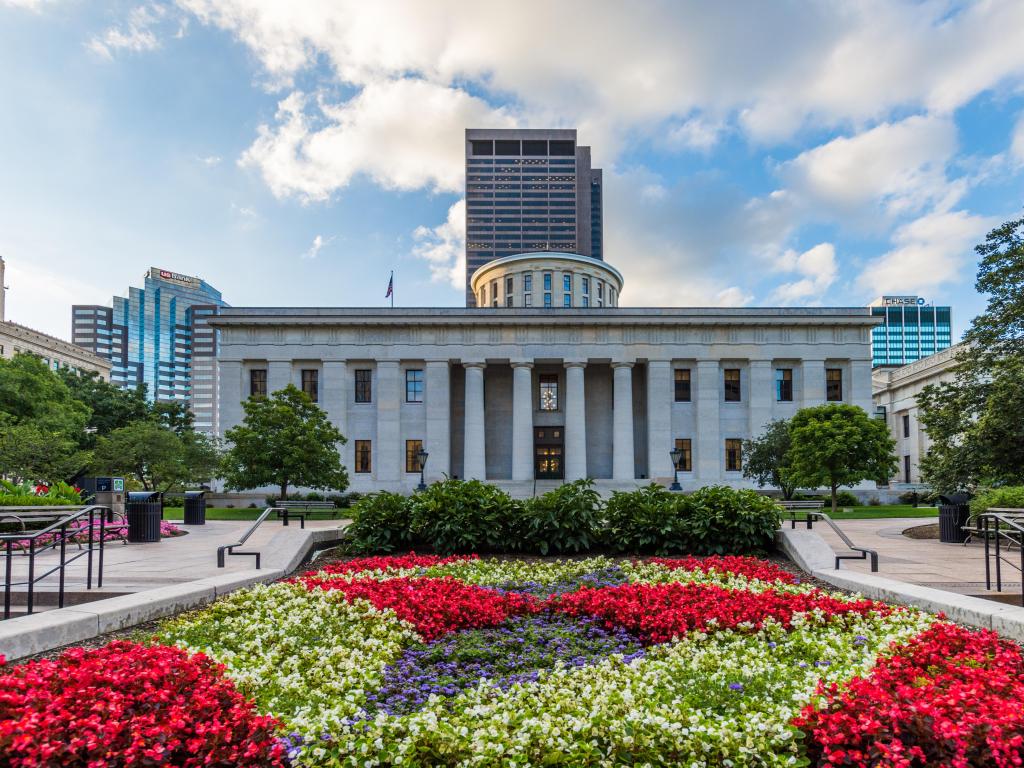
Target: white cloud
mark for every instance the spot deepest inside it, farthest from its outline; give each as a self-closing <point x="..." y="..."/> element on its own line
<point x="319" y="242"/>
<point x="404" y="134"/>
<point x="893" y="168"/>
<point x="696" y="133"/>
<point x="210" y="160"/>
<point x="29" y="5"/>
<point x="1017" y="142"/>
<point x="136" y="35"/>
<point x="443" y="247"/>
<point x="928" y="252"/>
<point x="29" y="280"/>
<point x="818" y="269"/>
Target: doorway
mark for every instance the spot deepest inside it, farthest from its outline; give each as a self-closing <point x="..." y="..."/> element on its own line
<point x="548" y="444"/>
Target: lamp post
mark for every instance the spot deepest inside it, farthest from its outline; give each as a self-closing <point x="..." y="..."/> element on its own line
<point x="676" y="454"/>
<point x="422" y="456"/>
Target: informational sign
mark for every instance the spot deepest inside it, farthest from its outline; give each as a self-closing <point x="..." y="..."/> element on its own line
<point x="118" y="485"/>
<point x="902" y="301"/>
<point x="175" y="277"/>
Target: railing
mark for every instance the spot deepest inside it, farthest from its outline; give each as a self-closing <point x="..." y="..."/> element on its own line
<point x="1001" y="526"/>
<point x="812" y="515"/>
<point x="230" y="548"/>
<point x="62" y="518"/>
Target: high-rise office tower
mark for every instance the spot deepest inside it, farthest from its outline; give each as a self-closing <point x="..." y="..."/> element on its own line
<point x="158" y="336"/>
<point x="911" y="329"/>
<point x="529" y="190"/>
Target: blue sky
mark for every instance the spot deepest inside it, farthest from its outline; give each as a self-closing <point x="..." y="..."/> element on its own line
<point x="787" y="153"/>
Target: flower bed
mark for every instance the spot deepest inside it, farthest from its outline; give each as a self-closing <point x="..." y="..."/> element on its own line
<point x="79" y="531"/>
<point x="422" y="661"/>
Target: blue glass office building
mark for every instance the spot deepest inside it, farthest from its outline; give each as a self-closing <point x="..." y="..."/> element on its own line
<point x="158" y="337"/>
<point x="910" y="329"/>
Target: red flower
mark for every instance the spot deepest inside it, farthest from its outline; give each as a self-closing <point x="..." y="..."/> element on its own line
<point x="950" y="696"/>
<point x="658" y="612"/>
<point x="741" y="565"/>
<point x="130" y="705"/>
<point x="434" y="606"/>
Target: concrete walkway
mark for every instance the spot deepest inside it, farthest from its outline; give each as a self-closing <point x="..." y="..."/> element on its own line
<point x="175" y="560"/>
<point x="951" y="567"/>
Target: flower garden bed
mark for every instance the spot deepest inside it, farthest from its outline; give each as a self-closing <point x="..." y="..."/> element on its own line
<point x="462" y="661"/>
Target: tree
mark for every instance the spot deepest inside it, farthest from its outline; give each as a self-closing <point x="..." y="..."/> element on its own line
<point x="284" y="440"/>
<point x="976" y="421"/>
<point x="112" y="406"/>
<point x="764" y="458"/>
<point x="159" y="458"/>
<point x="835" y="445"/>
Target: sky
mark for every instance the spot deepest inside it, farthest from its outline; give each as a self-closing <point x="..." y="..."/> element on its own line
<point x="295" y="153"/>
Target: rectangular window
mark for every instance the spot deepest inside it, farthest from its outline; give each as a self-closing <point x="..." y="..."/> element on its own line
<point x="906" y="425"/>
<point x="586" y="301"/>
<point x="547" y="281"/>
<point x="548" y="391"/>
<point x="547" y="299"/>
<point x="600" y="289"/>
<point x="364" y="391"/>
<point x="414" y="385"/>
<point x="258" y="382"/>
<point x="509" y="290"/>
<point x="508" y="300"/>
<point x="567" y="300"/>
<point x="363" y="457"/>
<point x="527" y="283"/>
<point x="311" y="383"/>
<point x="906" y="469"/>
<point x="494" y="293"/>
<point x="834" y="385"/>
<point x="412" y="455"/>
<point x="784" y="385"/>
<point x="733" y="455"/>
<point x="686" y="460"/>
<point x="506" y="147"/>
<point x="585" y="285"/>
<point x="567" y="282"/>
<point x="682" y="382"/>
<point x="483" y="147"/>
<point x="527" y="299"/>
<point x="732" y="385"/>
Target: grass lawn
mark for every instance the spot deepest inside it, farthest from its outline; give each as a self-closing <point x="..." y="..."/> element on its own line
<point x="872" y="513"/>
<point x="224" y="513"/>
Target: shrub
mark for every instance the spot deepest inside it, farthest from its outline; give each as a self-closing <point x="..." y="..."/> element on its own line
<point x="566" y="519"/>
<point x="38" y="494"/>
<point x="127" y="704"/>
<point x="847" y="499"/>
<point x="644" y="520"/>
<point x="1007" y="497"/>
<point x="721" y="520"/>
<point x="380" y="523"/>
<point x="464" y="516"/>
<point x="874" y="501"/>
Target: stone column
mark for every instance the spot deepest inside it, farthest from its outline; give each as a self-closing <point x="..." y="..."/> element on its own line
<point x="388" y="452"/>
<point x="279" y="375"/>
<point x="230" y="394"/>
<point x="334" y="400"/>
<point x="710" y="448"/>
<point x="522" y="421"/>
<point x="659" y="418"/>
<point x="761" y="396"/>
<point x="813" y="375"/>
<point x="439" y="430"/>
<point x="623" y="463"/>
<point x="575" y="422"/>
<point x="474" y="461"/>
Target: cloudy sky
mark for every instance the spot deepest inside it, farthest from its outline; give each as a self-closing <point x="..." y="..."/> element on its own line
<point x="294" y="153"/>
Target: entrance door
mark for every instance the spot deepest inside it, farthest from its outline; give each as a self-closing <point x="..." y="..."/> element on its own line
<point x="547" y="453"/>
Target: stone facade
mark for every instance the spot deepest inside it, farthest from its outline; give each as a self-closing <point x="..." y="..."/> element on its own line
<point x="56" y="353"/>
<point x="527" y="397"/>
<point x="549" y="280"/>
<point x="895" y="394"/>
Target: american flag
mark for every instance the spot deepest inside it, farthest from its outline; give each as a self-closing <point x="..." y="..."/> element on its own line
<point x="391" y="285"/>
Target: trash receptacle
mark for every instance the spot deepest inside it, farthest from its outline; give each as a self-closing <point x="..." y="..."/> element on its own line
<point x="195" y="507"/>
<point x="144" y="510"/>
<point x="954" y="513"/>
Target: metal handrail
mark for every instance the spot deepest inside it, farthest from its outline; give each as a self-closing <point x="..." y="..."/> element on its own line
<point x="865" y="553"/>
<point x="992" y="522"/>
<point x="60" y="530"/>
<point x="230" y="548"/>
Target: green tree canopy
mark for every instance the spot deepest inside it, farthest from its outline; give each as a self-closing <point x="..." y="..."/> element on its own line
<point x="976" y="421"/>
<point x="764" y="458"/>
<point x="835" y="445"/>
<point x="284" y="440"/>
<point x="159" y="458"/>
<point x="112" y="406"/>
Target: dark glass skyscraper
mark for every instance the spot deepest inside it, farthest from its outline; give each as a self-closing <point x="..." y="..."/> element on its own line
<point x="529" y="190"/>
<point x="910" y="330"/>
<point x="158" y="336"/>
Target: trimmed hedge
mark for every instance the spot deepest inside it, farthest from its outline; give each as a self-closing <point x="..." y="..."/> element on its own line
<point x="1007" y="497"/>
<point x="453" y="516"/>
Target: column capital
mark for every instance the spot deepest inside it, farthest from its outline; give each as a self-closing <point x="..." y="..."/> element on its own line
<point x="474" y="364"/>
<point x="522" y="364"/>
<point x="622" y="365"/>
<point x="575" y="363"/>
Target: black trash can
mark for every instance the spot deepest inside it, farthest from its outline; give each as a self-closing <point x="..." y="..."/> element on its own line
<point x="144" y="510"/>
<point x="195" y="507"/>
<point x="954" y="513"/>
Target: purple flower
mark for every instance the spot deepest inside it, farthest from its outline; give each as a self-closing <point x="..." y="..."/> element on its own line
<point x="735" y="686"/>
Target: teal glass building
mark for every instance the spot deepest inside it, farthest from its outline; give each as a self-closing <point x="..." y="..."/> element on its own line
<point x="910" y="330"/>
<point x="157" y="336"/>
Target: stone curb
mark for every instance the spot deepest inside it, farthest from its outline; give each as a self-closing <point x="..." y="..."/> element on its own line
<point x="29" y="635"/>
<point x="808" y="550"/>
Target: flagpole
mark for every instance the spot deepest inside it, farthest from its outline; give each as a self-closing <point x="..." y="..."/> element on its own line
<point x="392" y="284"/>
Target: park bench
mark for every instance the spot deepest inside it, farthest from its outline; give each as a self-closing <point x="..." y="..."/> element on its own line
<point x="287" y="509"/>
<point x="794" y="506"/>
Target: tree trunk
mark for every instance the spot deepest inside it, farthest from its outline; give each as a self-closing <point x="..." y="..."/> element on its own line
<point x="834" y="487"/>
<point x="284" y="491"/>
